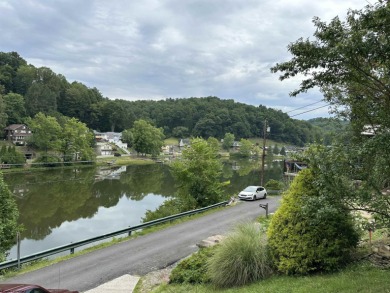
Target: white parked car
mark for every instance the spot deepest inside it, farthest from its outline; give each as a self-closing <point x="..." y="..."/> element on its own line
<point x="253" y="193"/>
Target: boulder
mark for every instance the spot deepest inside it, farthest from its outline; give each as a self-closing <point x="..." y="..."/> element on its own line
<point x="210" y="241"/>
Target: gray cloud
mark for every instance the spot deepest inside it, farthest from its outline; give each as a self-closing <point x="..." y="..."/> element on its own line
<point x="157" y="49"/>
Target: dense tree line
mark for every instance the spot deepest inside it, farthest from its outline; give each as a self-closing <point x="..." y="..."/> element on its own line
<point x="26" y="90"/>
<point x="61" y="139"/>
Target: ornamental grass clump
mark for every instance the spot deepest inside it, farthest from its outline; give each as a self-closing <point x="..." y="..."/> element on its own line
<point x="241" y="258"/>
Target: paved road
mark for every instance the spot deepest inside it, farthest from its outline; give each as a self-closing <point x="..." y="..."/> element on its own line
<point x="144" y="254"/>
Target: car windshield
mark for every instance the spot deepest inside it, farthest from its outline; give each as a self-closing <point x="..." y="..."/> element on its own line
<point x="250" y="189"/>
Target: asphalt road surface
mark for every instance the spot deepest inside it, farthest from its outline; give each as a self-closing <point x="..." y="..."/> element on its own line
<point x="143" y="254"/>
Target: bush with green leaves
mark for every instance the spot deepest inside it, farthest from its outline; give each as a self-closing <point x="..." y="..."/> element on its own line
<point x="198" y="173"/>
<point x="8" y="219"/>
<point x="193" y="269"/>
<point x="168" y="208"/>
<point x="273" y="184"/>
<point x="310" y="233"/>
<point x="9" y="155"/>
<point x="241" y="258"/>
<point x="48" y="160"/>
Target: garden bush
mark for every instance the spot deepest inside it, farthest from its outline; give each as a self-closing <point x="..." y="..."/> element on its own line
<point x="241" y="258"/>
<point x="48" y="160"/>
<point x="309" y="232"/>
<point x="193" y="270"/>
<point x="273" y="184"/>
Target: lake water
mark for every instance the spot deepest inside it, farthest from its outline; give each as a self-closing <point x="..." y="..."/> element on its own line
<point x="62" y="206"/>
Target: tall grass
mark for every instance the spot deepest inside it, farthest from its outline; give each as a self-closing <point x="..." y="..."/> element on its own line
<point x="241" y="258"/>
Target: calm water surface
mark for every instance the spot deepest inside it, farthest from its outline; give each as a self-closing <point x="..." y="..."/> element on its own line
<point x="62" y="206"/>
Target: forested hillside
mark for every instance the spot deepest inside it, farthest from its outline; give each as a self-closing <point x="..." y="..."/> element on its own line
<point x="330" y="127"/>
<point x="26" y="90"/>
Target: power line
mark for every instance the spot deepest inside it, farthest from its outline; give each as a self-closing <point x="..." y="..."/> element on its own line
<point x="304" y="106"/>
<point x="309" y="111"/>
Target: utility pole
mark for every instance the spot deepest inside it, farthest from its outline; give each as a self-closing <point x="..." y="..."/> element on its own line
<point x="263" y="156"/>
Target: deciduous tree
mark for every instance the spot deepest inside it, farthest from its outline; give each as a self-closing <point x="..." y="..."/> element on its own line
<point x="147" y="138"/>
<point x="76" y="139"/>
<point x="245" y="148"/>
<point x="198" y="174"/>
<point x="128" y="137"/>
<point x="3" y="112"/>
<point x="349" y="62"/>
<point x="14" y="108"/>
<point x="46" y="132"/>
<point x="228" y="141"/>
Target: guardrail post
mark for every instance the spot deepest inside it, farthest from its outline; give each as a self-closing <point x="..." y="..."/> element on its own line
<point x="72" y="250"/>
<point x="265" y="206"/>
<point x="18" y="248"/>
<point x="129" y="231"/>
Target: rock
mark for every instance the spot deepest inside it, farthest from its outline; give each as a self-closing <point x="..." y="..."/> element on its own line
<point x="210" y="241"/>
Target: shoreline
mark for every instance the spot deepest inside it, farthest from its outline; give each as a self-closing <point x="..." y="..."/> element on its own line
<point x="112" y="161"/>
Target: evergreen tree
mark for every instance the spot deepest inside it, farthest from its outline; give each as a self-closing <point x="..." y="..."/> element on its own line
<point x="283" y="151"/>
<point x="310" y="232"/>
<point x="276" y="150"/>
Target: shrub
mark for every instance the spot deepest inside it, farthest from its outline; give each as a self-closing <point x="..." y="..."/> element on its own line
<point x="193" y="269"/>
<point x="11" y="156"/>
<point x="8" y="219"/>
<point x="241" y="258"/>
<point x="273" y="184"/>
<point x="167" y="208"/>
<point x="310" y="233"/>
<point x="48" y="161"/>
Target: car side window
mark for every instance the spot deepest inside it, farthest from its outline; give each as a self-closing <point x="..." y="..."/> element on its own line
<point x="35" y="290"/>
<point x="260" y="189"/>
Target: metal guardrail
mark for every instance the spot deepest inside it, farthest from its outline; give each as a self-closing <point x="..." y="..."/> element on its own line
<point x="72" y="246"/>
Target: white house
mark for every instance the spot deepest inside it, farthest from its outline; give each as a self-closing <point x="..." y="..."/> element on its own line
<point x="103" y="148"/>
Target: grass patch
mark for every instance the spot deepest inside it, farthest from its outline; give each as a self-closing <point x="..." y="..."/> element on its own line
<point x="171" y="141"/>
<point x="269" y="142"/>
<point x="360" y="277"/>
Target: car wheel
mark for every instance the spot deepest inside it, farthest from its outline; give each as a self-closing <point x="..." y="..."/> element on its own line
<point x="265" y="196"/>
<point x="254" y="197"/>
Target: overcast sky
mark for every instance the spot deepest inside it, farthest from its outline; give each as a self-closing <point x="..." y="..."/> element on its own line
<point x="157" y="49"/>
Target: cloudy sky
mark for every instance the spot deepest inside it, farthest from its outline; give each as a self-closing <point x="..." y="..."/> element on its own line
<point x="156" y="49"/>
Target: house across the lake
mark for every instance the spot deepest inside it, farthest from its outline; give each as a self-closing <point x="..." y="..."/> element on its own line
<point x="105" y="142"/>
<point x="17" y="134"/>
